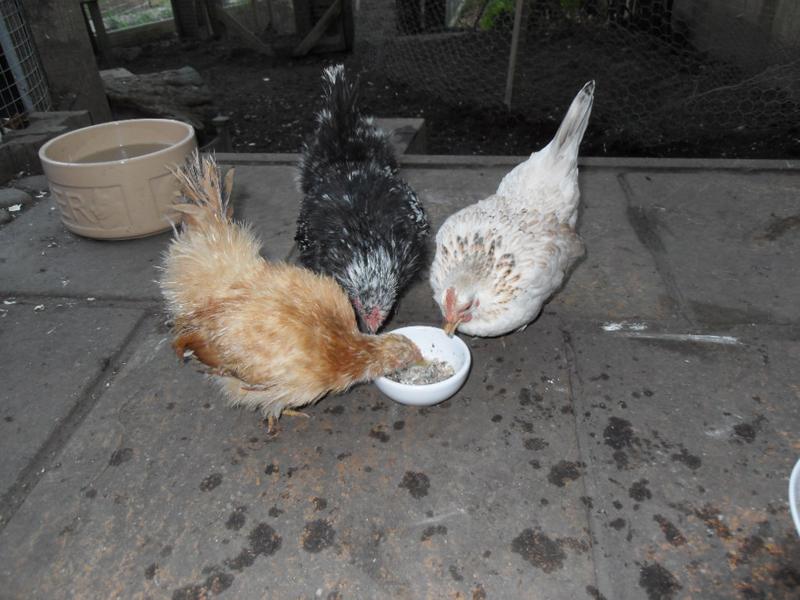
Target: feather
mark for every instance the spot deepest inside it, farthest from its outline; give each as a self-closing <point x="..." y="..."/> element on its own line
<point x="274" y="336"/>
<point x="359" y="221"/>
<point x="499" y="260"/>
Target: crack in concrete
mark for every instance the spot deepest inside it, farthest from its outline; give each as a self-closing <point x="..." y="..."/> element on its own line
<point x="570" y="358"/>
<point x="46" y="455"/>
<point x="645" y="228"/>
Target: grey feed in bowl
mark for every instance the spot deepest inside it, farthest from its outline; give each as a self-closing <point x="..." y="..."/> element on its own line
<point x="433" y="371"/>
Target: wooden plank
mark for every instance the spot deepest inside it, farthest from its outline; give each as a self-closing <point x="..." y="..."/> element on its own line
<point x="302" y="16"/>
<point x="348" y="24"/>
<point x="512" y="59"/>
<point x="100" y="34"/>
<point x="250" y="40"/>
<point x="318" y="30"/>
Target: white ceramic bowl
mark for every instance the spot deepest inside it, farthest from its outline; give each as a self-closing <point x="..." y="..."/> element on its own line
<point x="794" y="495"/>
<point x="434" y="344"/>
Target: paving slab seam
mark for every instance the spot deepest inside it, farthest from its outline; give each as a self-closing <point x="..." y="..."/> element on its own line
<point x="445" y="161"/>
<point x="600" y="579"/>
<point x="670" y="330"/>
<point x="585" y="165"/>
<point x="42" y="461"/>
<point x="143" y="303"/>
<point x="647" y="233"/>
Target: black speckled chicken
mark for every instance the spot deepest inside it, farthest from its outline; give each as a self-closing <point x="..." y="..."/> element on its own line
<point x="359" y="221"/>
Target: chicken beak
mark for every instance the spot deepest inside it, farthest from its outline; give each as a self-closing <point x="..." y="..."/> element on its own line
<point x="450" y="327"/>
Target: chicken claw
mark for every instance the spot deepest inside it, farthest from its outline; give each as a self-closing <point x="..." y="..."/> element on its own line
<point x="272" y="421"/>
<point x="295" y="413"/>
<point x="272" y="425"/>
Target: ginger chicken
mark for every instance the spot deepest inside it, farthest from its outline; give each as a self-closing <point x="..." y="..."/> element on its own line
<point x="498" y="261"/>
<point x="274" y="336"/>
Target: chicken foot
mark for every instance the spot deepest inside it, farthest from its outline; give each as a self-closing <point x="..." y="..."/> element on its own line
<point x="295" y="413"/>
<point x="272" y="421"/>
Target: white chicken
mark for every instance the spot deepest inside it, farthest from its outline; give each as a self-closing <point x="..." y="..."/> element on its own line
<point x="498" y="261"/>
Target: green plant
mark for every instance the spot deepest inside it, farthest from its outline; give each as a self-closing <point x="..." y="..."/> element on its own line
<point x="571" y="6"/>
<point x="494" y="11"/>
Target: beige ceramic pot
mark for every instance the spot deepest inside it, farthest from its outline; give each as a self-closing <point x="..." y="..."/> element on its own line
<point x="113" y="181"/>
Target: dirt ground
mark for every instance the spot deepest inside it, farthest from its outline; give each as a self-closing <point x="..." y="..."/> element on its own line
<point x="272" y="101"/>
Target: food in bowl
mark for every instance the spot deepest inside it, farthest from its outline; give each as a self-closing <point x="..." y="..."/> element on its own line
<point x="426" y="373"/>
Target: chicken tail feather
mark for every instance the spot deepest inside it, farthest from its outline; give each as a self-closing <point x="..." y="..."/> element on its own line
<point x="554" y="167"/>
<point x="569" y="135"/>
<point x="341" y="100"/>
<point x="345" y="139"/>
<point x="210" y="252"/>
<point x="206" y="193"/>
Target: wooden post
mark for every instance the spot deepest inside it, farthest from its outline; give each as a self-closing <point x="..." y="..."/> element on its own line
<point x="189" y="19"/>
<point x="512" y="59"/>
<point x="318" y="30"/>
<point x="217" y="14"/>
<point x="302" y="17"/>
<point x="222" y="124"/>
<point x="100" y="35"/>
<point x="65" y="50"/>
<point x="270" y="23"/>
<point x="348" y="25"/>
<point x="255" y="15"/>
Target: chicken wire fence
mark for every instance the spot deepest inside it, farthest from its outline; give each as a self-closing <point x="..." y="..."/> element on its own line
<point x="666" y="70"/>
<point x="23" y="88"/>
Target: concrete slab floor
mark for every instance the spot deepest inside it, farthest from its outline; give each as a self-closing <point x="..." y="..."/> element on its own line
<point x="634" y="442"/>
<point x="741" y="226"/>
<point x="51" y="354"/>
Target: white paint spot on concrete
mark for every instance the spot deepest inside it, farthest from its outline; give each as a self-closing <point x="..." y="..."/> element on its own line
<point x="727" y="340"/>
<point x="439" y="518"/>
<point x="624" y="326"/>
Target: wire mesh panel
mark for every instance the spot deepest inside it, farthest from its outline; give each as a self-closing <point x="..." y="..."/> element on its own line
<point x="462" y="59"/>
<point x="667" y="71"/>
<point x="23" y="87"/>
